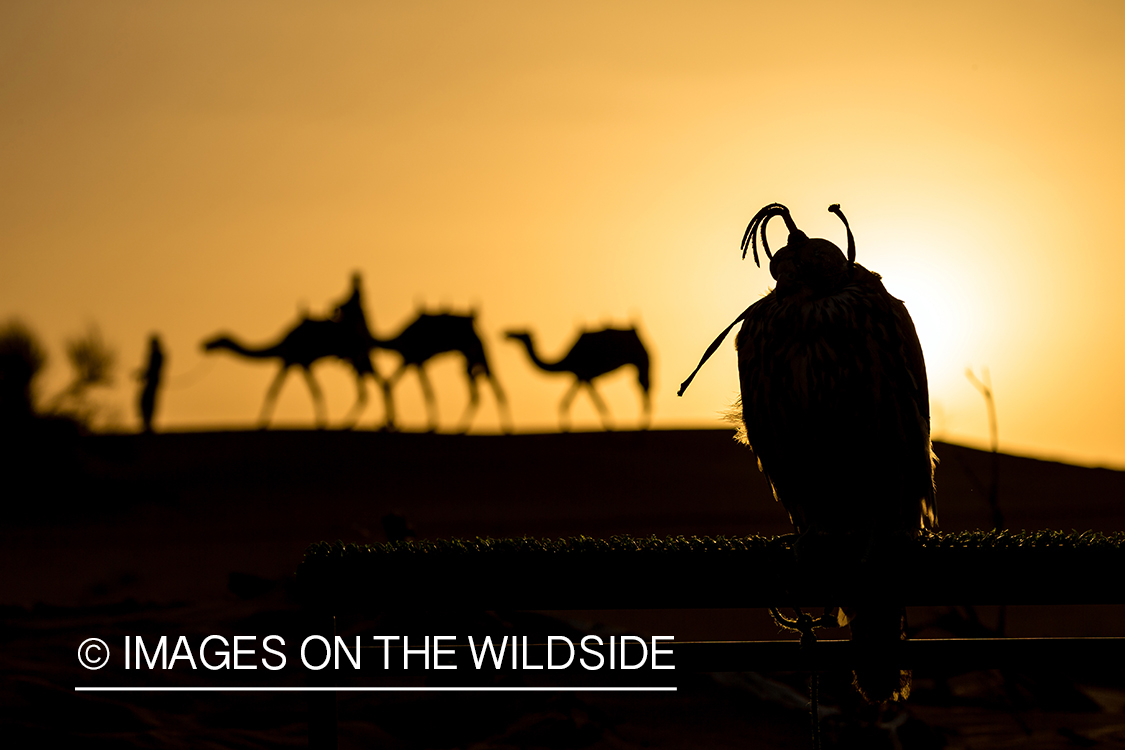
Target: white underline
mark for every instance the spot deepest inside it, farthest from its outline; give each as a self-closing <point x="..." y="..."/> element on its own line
<point x="212" y="689"/>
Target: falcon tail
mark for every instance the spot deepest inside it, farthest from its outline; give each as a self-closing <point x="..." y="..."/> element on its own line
<point x="875" y="630"/>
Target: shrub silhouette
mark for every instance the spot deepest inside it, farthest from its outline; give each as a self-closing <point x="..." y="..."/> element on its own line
<point x="22" y="358"/>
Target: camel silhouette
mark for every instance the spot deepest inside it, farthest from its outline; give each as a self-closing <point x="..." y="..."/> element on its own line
<point x="429" y="335"/>
<point x="310" y="340"/>
<point x="424" y="338"/>
<point x="593" y="354"/>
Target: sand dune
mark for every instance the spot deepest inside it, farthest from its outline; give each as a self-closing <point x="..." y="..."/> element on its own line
<point x="198" y="532"/>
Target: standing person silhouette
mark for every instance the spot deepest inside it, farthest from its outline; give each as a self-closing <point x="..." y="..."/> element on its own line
<point x="356" y="348"/>
<point x="349" y="314"/>
<point x="150" y="377"/>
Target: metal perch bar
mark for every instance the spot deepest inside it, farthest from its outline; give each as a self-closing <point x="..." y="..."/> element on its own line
<point x="978" y="568"/>
<point x="994" y="567"/>
<point x="951" y="655"/>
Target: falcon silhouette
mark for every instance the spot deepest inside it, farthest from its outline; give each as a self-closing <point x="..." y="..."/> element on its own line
<point x="834" y="403"/>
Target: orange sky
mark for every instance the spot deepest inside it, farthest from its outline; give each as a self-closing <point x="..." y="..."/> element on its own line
<point x="196" y="167"/>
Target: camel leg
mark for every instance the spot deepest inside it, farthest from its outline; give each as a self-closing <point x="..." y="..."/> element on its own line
<point x="388" y="402"/>
<point x="564" y="407"/>
<point x="646" y="401"/>
<point x="360" y="402"/>
<point x="603" y="410"/>
<point x="271" y="397"/>
<point x="501" y="406"/>
<point x="431" y="402"/>
<point x="318" y="399"/>
<point x="471" y="407"/>
<point x="389" y="398"/>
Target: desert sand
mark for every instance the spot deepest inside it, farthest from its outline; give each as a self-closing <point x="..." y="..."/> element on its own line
<point x="200" y="533"/>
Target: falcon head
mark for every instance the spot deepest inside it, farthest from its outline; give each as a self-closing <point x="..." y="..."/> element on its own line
<point x="815" y="263"/>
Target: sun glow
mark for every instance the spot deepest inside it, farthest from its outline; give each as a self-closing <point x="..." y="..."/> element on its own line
<point x="191" y="170"/>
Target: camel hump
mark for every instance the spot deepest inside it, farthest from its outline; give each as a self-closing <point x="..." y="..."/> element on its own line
<point x="431" y="334"/>
<point x="596" y="353"/>
<point x="445" y="327"/>
<point x="622" y="341"/>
